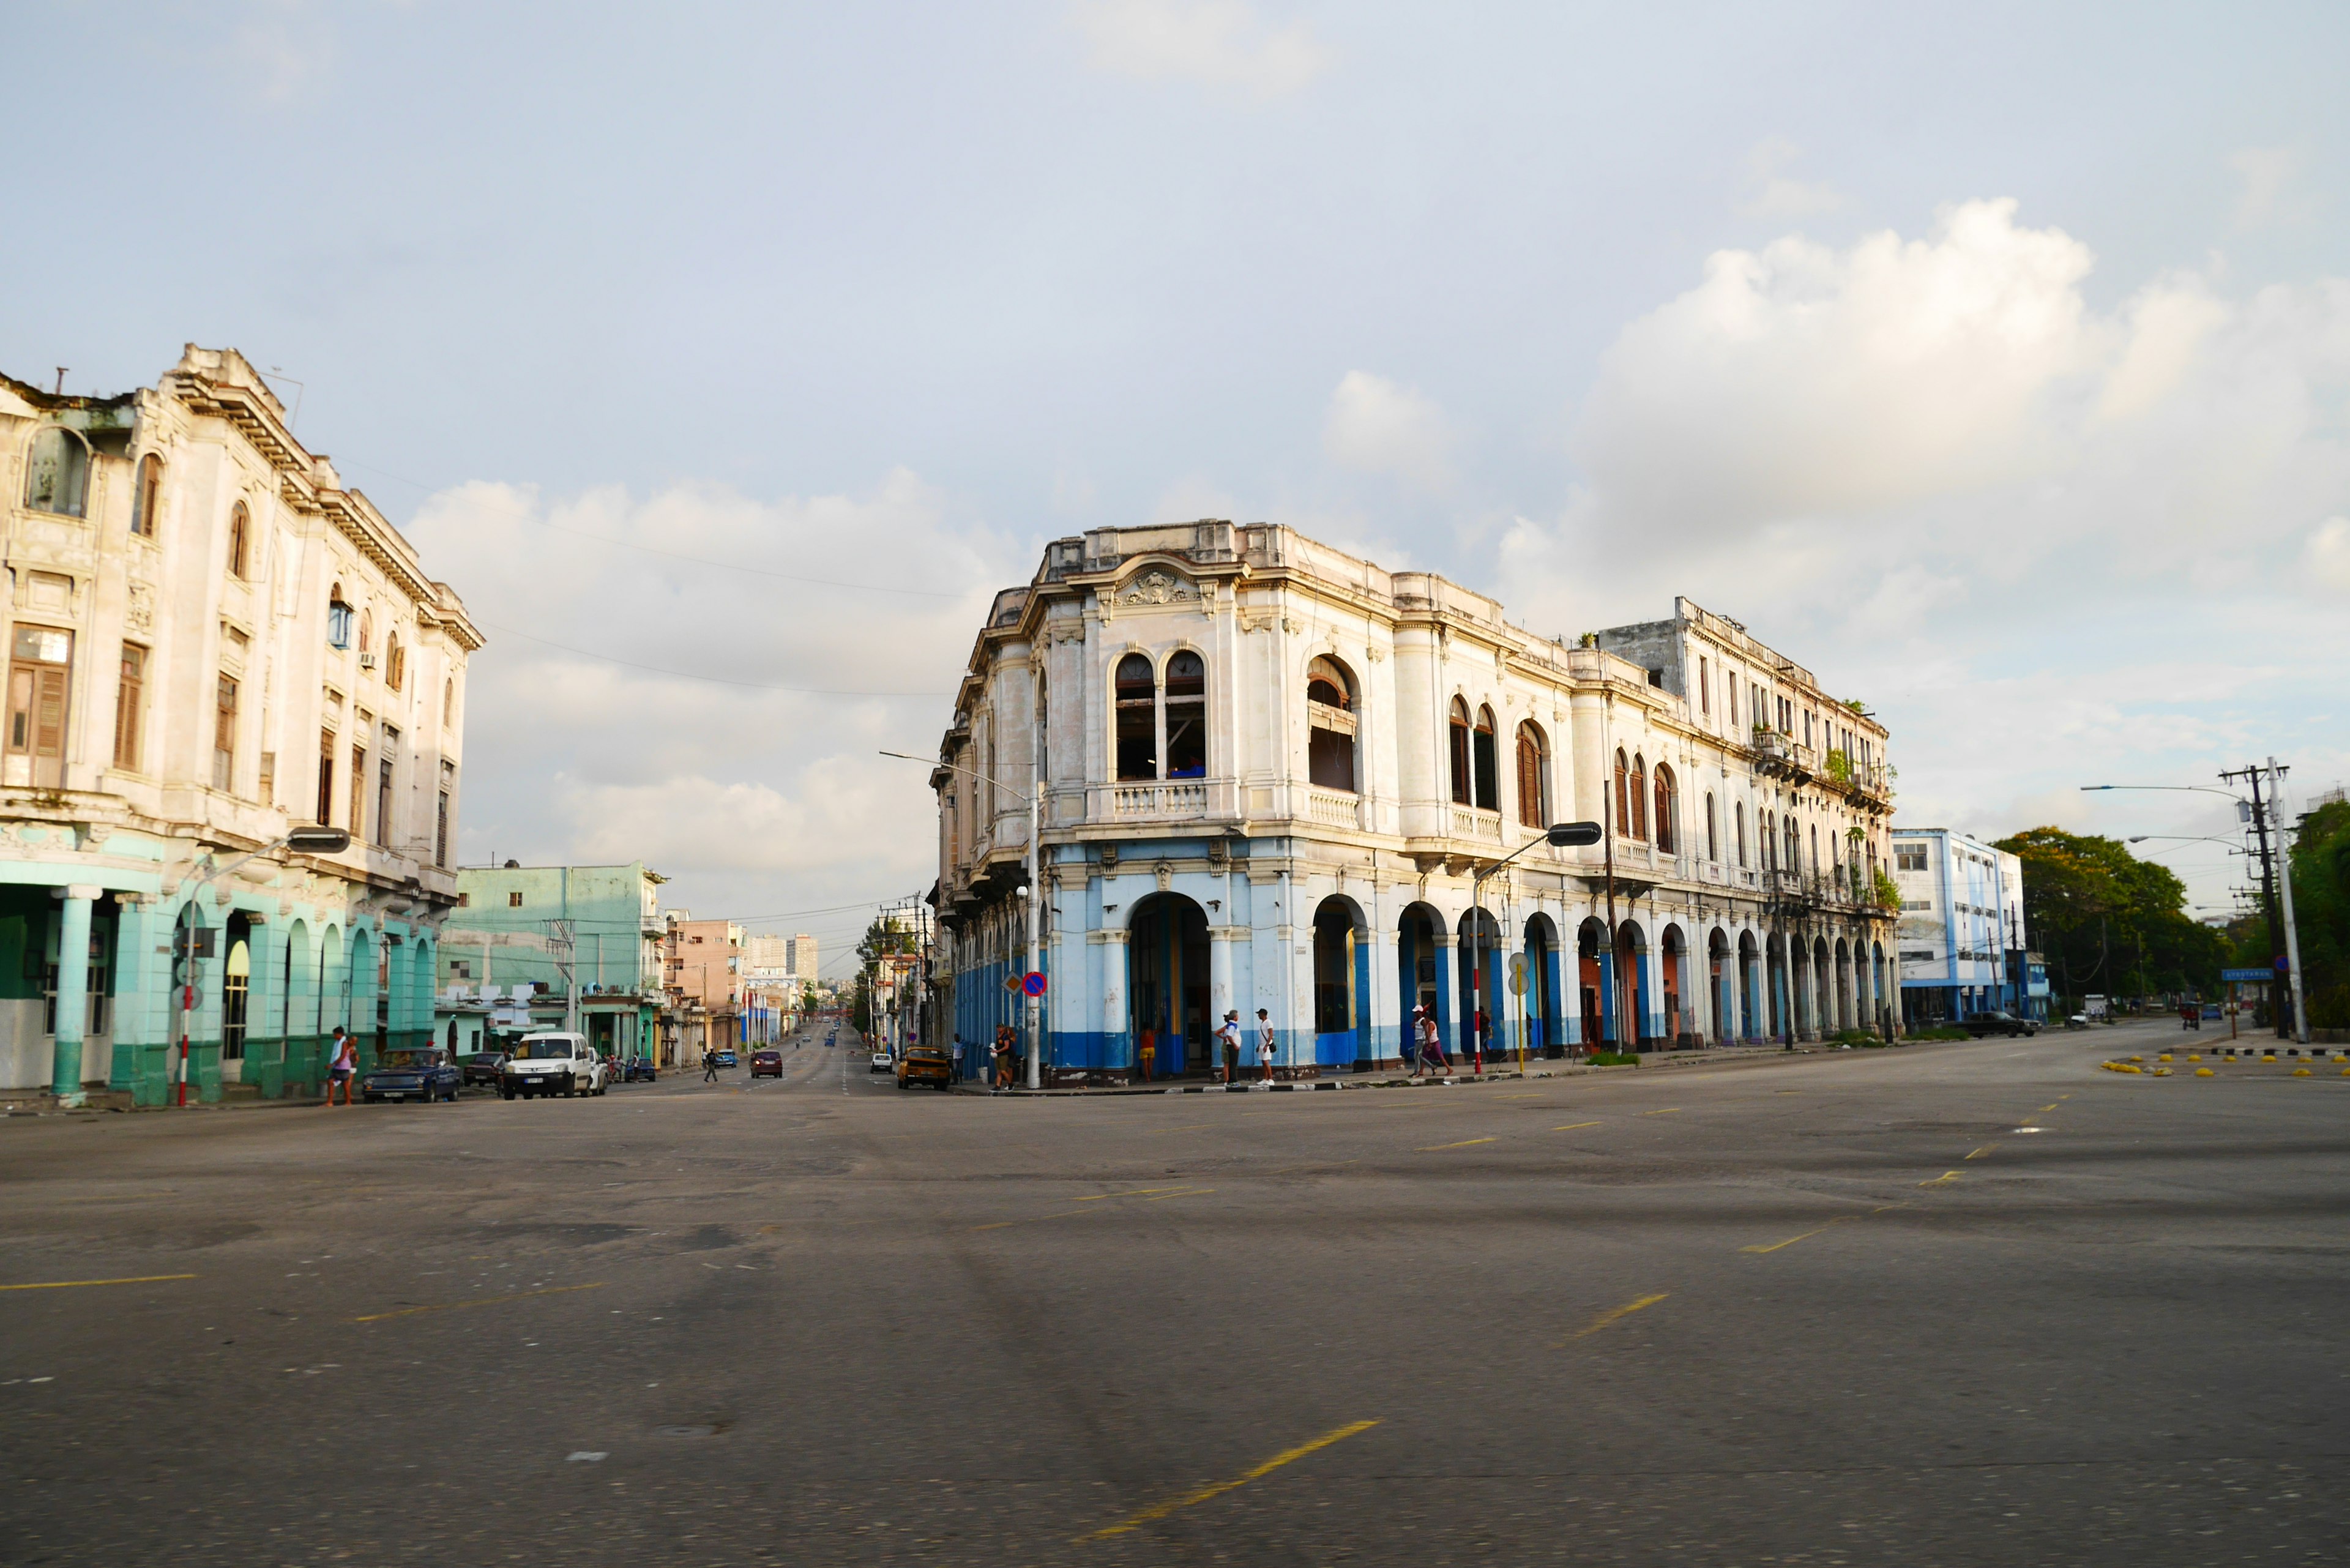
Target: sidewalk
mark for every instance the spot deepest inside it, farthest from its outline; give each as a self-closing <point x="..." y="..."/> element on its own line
<point x="1458" y="1079"/>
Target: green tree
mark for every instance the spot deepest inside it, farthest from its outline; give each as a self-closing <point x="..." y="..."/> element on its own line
<point x="2108" y="921"/>
<point x="2320" y="863"/>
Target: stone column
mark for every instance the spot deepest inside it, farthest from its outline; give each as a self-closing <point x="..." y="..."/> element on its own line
<point x="1446" y="963"/>
<point x="1118" y="1052"/>
<point x="73" y="992"/>
<point x="1220" y="973"/>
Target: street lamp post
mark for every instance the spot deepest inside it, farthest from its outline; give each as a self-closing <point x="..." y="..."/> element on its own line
<point x="302" y="841"/>
<point x="1560" y="834"/>
<point x="1033" y="892"/>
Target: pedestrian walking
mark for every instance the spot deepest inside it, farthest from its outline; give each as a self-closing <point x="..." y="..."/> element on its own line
<point x="1477" y="1040"/>
<point x="1147" y="1052"/>
<point x="1265" y="1043"/>
<point x="1006" y="1052"/>
<point x="1229" y="1031"/>
<point x="1431" y="1047"/>
<point x="342" y="1066"/>
<point x="708" y="1065"/>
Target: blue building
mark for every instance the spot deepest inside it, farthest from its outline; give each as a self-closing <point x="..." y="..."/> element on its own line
<point x="1962" y="941"/>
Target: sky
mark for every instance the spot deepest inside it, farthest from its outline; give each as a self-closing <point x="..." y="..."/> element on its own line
<point x="1993" y="362"/>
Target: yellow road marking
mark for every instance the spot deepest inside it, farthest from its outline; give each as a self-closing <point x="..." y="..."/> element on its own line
<point x="1611" y="1315"/>
<point x="1185" y="1192"/>
<point x="1289" y="1456"/>
<point x="1571" y="1126"/>
<point x="1464" y="1142"/>
<point x="1804" y="1237"/>
<point x="486" y="1301"/>
<point x="1985" y="1149"/>
<point x="1948" y="1176"/>
<point x="69" y="1284"/>
<point x="1528" y="1095"/>
<point x="1669" y="1110"/>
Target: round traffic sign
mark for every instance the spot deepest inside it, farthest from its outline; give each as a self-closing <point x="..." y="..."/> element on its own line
<point x="1034" y="985"/>
<point x="1517" y="974"/>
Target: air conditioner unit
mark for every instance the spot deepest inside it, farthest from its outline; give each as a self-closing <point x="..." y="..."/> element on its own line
<point x="366" y="662"/>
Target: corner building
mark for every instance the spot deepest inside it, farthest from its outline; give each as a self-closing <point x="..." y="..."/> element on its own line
<point x="1268" y="774"/>
<point x="212" y="641"/>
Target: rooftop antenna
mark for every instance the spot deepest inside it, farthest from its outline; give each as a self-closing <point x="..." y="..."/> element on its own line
<point x="61" y="380"/>
<point x="295" y="417"/>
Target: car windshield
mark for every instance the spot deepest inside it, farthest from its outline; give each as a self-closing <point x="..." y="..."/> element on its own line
<point x="410" y="1059"/>
<point x="544" y="1050"/>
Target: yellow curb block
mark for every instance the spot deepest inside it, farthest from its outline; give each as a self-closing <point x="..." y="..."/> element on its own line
<point x="2164" y="1057"/>
<point x="2120" y="1068"/>
<point x="2301" y="1072"/>
<point x="2202" y="1071"/>
<point x="2194" y="1058"/>
<point x="2162" y="1072"/>
<point x="2137" y="1058"/>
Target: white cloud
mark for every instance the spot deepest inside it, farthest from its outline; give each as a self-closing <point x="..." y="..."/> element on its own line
<point x="1225" y="43"/>
<point x="2268" y="173"/>
<point x="2326" y="558"/>
<point x="1379" y="427"/>
<point x="1777" y="194"/>
<point x="751" y="797"/>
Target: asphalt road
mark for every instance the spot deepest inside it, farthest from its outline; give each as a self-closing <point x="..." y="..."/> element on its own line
<point x="1968" y="1303"/>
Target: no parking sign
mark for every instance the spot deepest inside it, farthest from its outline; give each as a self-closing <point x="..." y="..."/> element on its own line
<point x="1034" y="984"/>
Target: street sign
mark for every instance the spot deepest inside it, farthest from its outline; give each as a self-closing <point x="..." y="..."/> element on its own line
<point x="2245" y="976"/>
<point x="1012" y="983"/>
<point x="1034" y="985"/>
<point x="1517" y="974"/>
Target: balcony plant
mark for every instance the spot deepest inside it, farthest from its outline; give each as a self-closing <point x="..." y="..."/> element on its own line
<point x="1886" y="895"/>
<point x="1839" y="766"/>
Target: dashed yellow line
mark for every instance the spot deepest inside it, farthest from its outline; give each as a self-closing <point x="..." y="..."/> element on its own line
<point x="1806" y="1236"/>
<point x="1669" y="1110"/>
<point x="1135" y="1192"/>
<point x="1571" y="1126"/>
<point x="1288" y="1456"/>
<point x="76" y="1285"/>
<point x="1985" y="1149"/>
<point x="1947" y="1177"/>
<point x="1611" y="1315"/>
<point x="1464" y="1142"/>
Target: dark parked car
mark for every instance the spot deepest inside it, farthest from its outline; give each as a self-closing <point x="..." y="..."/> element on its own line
<point x="637" y="1070"/>
<point x="766" y="1064"/>
<point x="481" y="1066"/>
<point x="413" y="1073"/>
<point x="1983" y="1023"/>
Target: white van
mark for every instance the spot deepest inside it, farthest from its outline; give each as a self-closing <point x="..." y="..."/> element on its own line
<point x="552" y="1064"/>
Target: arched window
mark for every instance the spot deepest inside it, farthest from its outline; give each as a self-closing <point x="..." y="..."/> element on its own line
<point x="1794" y="848"/>
<point x="1815" y="849"/>
<point x="1187" y="716"/>
<point x="240" y="524"/>
<point x="1623" y="792"/>
<point x="1737" y="819"/>
<point x="1770" y="846"/>
<point x="1330" y="725"/>
<point x="1483" y="752"/>
<point x="1639" y="793"/>
<point x="1533" y="777"/>
<point x="1666" y="814"/>
<point x="147" y="496"/>
<point x="1712" y="839"/>
<point x="1462" y="771"/>
<point x="338" y="620"/>
<point x="1137" y="698"/>
<point x="57" y="477"/>
<point x="395" y="662"/>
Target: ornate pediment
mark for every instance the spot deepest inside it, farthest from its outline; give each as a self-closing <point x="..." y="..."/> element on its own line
<point x="1156" y="585"/>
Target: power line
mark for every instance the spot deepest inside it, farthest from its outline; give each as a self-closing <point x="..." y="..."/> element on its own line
<point x="690" y="675"/>
<point x="673" y="555"/>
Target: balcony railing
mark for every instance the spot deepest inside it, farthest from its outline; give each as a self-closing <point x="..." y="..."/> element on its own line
<point x="1180" y="799"/>
<point x="1332" y="808"/>
<point x="1468" y="822"/>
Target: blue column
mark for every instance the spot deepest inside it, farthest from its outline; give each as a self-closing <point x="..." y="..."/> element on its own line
<point x="1444" y="956"/>
<point x="1607" y="1031"/>
<point x="73" y="992"/>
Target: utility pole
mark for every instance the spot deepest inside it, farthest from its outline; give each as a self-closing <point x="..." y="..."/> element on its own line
<point x="2268" y="888"/>
<point x="2291" y="935"/>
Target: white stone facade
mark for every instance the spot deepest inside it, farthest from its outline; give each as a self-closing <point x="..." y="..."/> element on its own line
<point x="1272" y="772"/>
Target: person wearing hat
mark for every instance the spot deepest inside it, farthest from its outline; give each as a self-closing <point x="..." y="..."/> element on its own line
<point x="1230" y="1033"/>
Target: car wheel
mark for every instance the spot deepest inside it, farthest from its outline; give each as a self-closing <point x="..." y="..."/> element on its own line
<point x="505" y="1094"/>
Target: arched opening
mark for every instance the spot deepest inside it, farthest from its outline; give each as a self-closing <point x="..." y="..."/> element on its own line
<point x="1623" y="792"/>
<point x="240" y="536"/>
<point x="1824" y="1010"/>
<point x="147" y="496"/>
<point x="1540" y="1000"/>
<point x="1478" y="944"/>
<point x="1721" y="994"/>
<point x="1672" y="985"/>
<point x="56" y="476"/>
<point x="1187" y="716"/>
<point x="1667" y="811"/>
<point x="1136" y="695"/>
<point x="1776" y="988"/>
<point x="1712" y="837"/>
<point x="395" y="662"/>
<point x="1636" y="1016"/>
<point x="1592" y="964"/>
<point x="236" y="989"/>
<point x="1844" y="982"/>
<point x="1639" y="793"/>
<point x="1885" y="999"/>
<point x="1331" y="725"/>
<point x="359" y="987"/>
<point x="301" y="1008"/>
<point x="1750" y="1016"/>
<point x="1423" y="982"/>
<point x="1167" y="984"/>
<point x="1533" y="776"/>
<point x="1342" y="961"/>
<point x="339" y="622"/>
<point x="1462" y="771"/>
<point x="1488" y="761"/>
<point x="367" y="633"/>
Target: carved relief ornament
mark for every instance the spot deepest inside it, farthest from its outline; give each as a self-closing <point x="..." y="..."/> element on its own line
<point x="1156" y="585"/>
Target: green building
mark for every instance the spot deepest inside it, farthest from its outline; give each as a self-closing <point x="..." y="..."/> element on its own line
<point x="555" y="946"/>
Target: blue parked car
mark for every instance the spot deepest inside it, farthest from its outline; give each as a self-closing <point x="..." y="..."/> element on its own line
<point x="638" y="1070"/>
<point x="413" y="1073"/>
<point x="725" y="1058"/>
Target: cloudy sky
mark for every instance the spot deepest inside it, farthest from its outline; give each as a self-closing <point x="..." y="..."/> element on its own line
<point x="1994" y="361"/>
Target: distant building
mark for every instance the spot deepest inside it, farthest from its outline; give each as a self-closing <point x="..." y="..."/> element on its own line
<point x="800" y="956"/>
<point x="1962" y="938"/>
<point x="210" y="641"/>
<point x="556" y="947"/>
<point x="702" y="965"/>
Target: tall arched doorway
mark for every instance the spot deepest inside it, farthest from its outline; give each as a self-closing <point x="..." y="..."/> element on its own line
<point x="1478" y="946"/>
<point x="1342" y="988"/>
<point x="1673" y="984"/>
<point x="1166" y="984"/>
<point x="1720" y="986"/>
<point x="1750" y="1017"/>
<point x="1421" y="978"/>
<point x="1541" y="999"/>
<point x="1635" y="1025"/>
<point x="1591" y="984"/>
